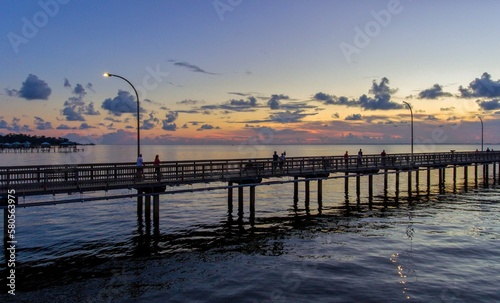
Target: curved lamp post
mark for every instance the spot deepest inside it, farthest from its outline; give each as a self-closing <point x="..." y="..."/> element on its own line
<point x="138" y="122"/>
<point x="411" y="127"/>
<point x="482" y="133"/>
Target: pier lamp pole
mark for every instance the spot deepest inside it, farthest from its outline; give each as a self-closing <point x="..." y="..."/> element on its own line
<point x="482" y="133"/>
<point x="411" y="127"/>
<point x="138" y="119"/>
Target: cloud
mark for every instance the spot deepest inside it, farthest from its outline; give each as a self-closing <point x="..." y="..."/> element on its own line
<point x="41" y="124"/>
<point x="289" y="116"/>
<point x="32" y="88"/>
<point x="66" y="83"/>
<point x="207" y="127"/>
<point x="89" y="110"/>
<point x="189" y="102"/>
<point x="481" y="87"/>
<point x="434" y="92"/>
<point x="85" y="126"/>
<point x="75" y="107"/>
<point x="274" y="102"/>
<point x="65" y="127"/>
<point x="171" y="117"/>
<point x="14" y="126"/>
<point x="192" y="68"/>
<point x="353" y="117"/>
<point x="151" y="122"/>
<point x="123" y="103"/>
<point x="169" y="126"/>
<point x="381" y="100"/>
<point x="489" y="105"/>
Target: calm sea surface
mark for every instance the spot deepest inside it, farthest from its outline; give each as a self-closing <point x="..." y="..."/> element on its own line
<point x="432" y="248"/>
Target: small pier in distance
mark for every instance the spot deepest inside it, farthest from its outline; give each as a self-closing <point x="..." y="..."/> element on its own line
<point x="151" y="181"/>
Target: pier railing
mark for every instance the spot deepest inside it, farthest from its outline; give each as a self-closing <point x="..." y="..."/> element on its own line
<point x="47" y="179"/>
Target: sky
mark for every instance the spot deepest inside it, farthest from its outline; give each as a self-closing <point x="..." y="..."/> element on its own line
<point x="251" y="71"/>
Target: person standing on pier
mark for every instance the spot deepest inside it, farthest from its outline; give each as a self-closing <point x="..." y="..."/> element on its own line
<point x="156" y="164"/>
<point x="360" y="156"/>
<point x="275" y="161"/>
<point x="346" y="159"/>
<point x="140" y="165"/>
<point x="382" y="156"/>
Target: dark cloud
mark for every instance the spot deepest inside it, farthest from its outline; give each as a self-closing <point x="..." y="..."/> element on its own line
<point x="489" y="105"/>
<point x="169" y="126"/>
<point x="481" y="87"/>
<point x="32" y="88"/>
<point x="190" y="102"/>
<point x="381" y="99"/>
<point x="192" y="68"/>
<point x="171" y="117"/>
<point x="66" y="83"/>
<point x="274" y="102"/>
<point x="79" y="90"/>
<point x="72" y="111"/>
<point x="123" y="103"/>
<point x="289" y="116"/>
<point x="85" y="126"/>
<point x="353" y="117"/>
<point x="206" y="127"/>
<point x="41" y="124"/>
<point x="151" y="122"/>
<point x="90" y="110"/>
<point x="75" y="107"/>
<point x="14" y="126"/>
<point x="65" y="127"/>
<point x="434" y="92"/>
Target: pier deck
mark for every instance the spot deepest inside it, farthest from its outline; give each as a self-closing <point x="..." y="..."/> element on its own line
<point x="53" y="179"/>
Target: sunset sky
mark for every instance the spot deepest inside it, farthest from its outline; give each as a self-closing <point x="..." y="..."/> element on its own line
<point x="251" y="71"/>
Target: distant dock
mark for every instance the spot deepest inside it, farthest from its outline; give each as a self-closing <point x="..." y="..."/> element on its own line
<point x="41" y="149"/>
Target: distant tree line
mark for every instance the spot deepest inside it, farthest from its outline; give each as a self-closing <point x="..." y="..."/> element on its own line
<point x="34" y="140"/>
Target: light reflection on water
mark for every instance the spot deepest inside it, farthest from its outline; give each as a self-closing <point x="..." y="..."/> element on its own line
<point x="441" y="248"/>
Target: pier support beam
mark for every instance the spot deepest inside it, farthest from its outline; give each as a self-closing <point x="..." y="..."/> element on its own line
<point x="320" y="191"/>
<point x="397" y="186"/>
<point x="156" y="209"/>
<point x="486" y="174"/>
<point x="358" y="189"/>
<point x="385" y="186"/>
<point x="295" y="189"/>
<point x="230" y="198"/>
<point x="252" y="205"/>
<point x="409" y="184"/>
<point x="475" y="175"/>
<point x="147" y="209"/>
<point x="240" y="202"/>
<point x="139" y="205"/>
<point x="428" y="180"/>
<point x="370" y="190"/>
<point x="466" y="177"/>
<point x="307" y="191"/>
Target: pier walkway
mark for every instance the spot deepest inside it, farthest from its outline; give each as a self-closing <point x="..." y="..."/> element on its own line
<point x="54" y="179"/>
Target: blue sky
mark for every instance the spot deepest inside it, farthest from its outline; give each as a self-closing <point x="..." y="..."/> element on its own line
<point x="271" y="72"/>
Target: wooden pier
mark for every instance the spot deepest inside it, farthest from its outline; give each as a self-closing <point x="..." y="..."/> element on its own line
<point x="151" y="182"/>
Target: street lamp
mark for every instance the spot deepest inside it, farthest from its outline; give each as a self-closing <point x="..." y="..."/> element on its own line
<point x="138" y="122"/>
<point x="482" y="133"/>
<point x="411" y="127"/>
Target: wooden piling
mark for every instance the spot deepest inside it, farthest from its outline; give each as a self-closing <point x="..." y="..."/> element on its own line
<point x="240" y="202"/>
<point x="409" y="183"/>
<point x="147" y="208"/>
<point x="466" y="177"/>
<point x="156" y="209"/>
<point x="307" y="193"/>
<point x="139" y="205"/>
<point x="295" y="189"/>
<point x="230" y="198"/>
<point x="320" y="191"/>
